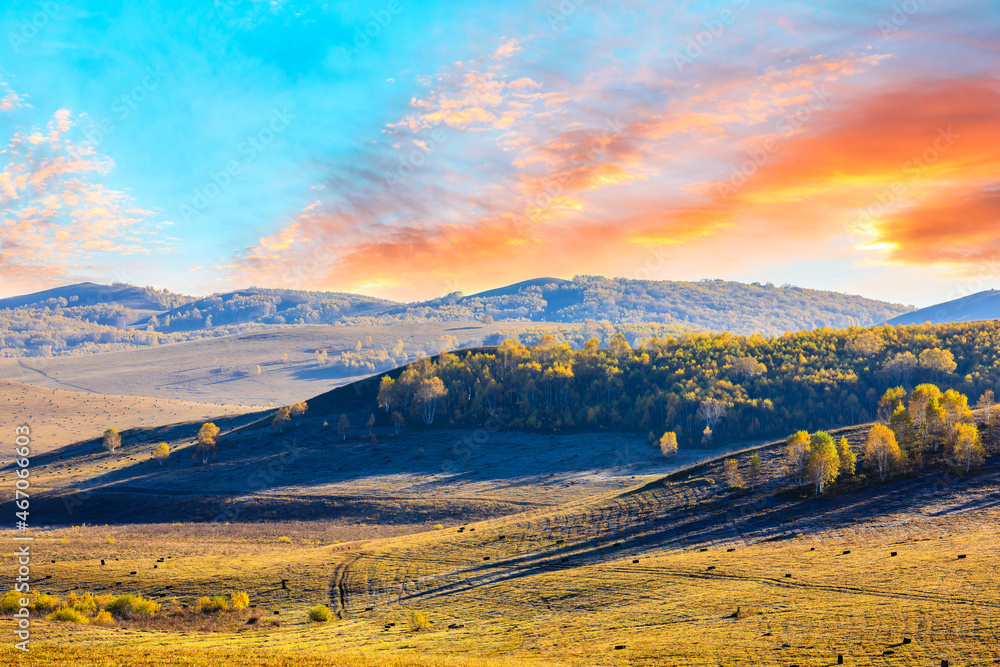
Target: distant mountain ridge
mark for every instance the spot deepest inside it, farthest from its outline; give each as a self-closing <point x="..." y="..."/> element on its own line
<point x="90" y="294"/>
<point x="973" y="308"/>
<point x="712" y="305"/>
<point x="88" y="317"/>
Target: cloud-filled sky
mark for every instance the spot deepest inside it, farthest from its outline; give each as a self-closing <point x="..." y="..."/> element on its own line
<point x="410" y="149"/>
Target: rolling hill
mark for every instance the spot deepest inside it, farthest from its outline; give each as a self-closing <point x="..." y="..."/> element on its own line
<point x="88" y="318"/>
<point x="973" y="308"/>
<point x="446" y="548"/>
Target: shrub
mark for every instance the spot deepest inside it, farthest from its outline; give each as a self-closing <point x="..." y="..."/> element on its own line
<point x="103" y="619"/>
<point x="67" y="615"/>
<point x="44" y="601"/>
<point x="438" y="526"/>
<point x="419" y="622"/>
<point x="210" y="605"/>
<point x="320" y="614"/>
<point x="10" y="602"/>
<point x="128" y="605"/>
<point x="284" y="538"/>
<point x="239" y="601"/>
<point x="86" y="604"/>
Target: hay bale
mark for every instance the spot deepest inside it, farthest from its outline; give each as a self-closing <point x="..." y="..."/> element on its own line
<point x="892" y="554"/>
<point x="961" y="556"/>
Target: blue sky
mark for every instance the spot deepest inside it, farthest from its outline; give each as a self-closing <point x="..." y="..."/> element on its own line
<point x="409" y="149"/>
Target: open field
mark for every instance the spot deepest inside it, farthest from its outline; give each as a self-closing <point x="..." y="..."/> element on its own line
<point x="519" y="548"/>
<point x="223" y="370"/>
<point x="526" y="569"/>
<point x="561" y="586"/>
<point x="60" y="417"/>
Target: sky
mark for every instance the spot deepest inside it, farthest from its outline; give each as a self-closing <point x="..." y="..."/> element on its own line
<point x="408" y="149"/>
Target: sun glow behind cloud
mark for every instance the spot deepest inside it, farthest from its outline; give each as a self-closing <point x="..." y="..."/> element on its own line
<point x="581" y="146"/>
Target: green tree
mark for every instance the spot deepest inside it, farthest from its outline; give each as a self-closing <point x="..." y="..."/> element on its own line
<point x="823" y="465"/>
<point x="388" y="396"/>
<point x="891" y="399"/>
<point x="935" y="423"/>
<point x="902" y="426"/>
<point x="848" y="459"/>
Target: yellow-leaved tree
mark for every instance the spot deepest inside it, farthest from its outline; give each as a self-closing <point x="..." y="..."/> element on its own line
<point x="162" y="452"/>
<point x="668" y="443"/>
<point x="882" y="451"/>
<point x="967" y="448"/>
<point x="207" y="441"/>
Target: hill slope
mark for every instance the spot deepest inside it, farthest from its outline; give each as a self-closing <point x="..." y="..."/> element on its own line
<point x="713" y="305"/>
<point x="89" y="294"/>
<point x="977" y="307"/>
<point x="88" y="318"/>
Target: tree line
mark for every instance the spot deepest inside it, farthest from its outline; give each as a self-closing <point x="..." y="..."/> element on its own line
<point x="707" y="388"/>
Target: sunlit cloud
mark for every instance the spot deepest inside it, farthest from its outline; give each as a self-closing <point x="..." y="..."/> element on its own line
<point x="58" y="222"/>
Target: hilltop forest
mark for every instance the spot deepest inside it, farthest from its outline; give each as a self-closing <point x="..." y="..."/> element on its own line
<point x="709" y="388"/>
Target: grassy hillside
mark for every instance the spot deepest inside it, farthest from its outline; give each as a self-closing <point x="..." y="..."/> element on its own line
<point x="674" y="569"/>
